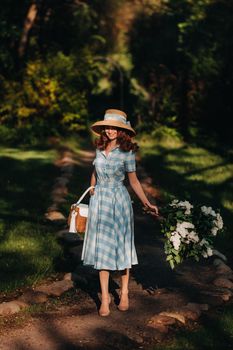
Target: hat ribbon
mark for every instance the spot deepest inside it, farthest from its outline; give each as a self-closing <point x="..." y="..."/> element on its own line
<point x="117" y="117"/>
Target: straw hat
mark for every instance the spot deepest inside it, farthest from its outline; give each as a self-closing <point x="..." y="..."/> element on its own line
<point x="113" y="117"/>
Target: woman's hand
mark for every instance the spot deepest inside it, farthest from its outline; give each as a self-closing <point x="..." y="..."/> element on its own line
<point x="151" y="209"/>
<point x="92" y="191"/>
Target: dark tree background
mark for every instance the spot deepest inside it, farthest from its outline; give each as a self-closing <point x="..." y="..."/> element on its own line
<point x="63" y="62"/>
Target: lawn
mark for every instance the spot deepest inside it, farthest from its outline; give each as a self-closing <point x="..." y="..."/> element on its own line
<point x="191" y="172"/>
<point x="28" y="247"/>
<point x="29" y="250"/>
<point x="201" y="175"/>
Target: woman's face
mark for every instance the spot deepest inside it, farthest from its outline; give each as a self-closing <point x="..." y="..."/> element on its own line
<point x="111" y="132"/>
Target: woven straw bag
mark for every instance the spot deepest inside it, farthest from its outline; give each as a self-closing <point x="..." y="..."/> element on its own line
<point x="77" y="220"/>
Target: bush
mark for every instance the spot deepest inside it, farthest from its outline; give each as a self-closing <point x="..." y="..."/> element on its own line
<point x="7" y="135"/>
<point x="51" y="97"/>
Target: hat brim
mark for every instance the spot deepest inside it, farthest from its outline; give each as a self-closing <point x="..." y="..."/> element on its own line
<point x="98" y="126"/>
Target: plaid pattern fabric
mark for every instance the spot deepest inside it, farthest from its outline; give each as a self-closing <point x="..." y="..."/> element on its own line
<point x="109" y="239"/>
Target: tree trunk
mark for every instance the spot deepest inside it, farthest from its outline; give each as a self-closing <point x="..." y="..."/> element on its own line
<point x="28" y="24"/>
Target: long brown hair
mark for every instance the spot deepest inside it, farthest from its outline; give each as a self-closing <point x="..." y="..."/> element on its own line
<point x="124" y="140"/>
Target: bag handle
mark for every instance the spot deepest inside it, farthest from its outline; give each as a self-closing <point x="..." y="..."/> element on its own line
<point x="84" y="194"/>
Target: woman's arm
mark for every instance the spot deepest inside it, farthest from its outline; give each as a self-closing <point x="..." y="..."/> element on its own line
<point x="137" y="187"/>
<point x="93" y="182"/>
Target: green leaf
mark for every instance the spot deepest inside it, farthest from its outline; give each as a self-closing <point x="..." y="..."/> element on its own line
<point x="175" y="251"/>
<point x="171" y="264"/>
<point x="169" y="257"/>
<point x="177" y="259"/>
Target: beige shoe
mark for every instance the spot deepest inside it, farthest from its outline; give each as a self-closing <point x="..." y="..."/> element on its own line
<point x="104" y="308"/>
<point x="124" y="302"/>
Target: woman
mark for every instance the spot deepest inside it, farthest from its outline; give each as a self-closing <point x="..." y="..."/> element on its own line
<point x="109" y="238"/>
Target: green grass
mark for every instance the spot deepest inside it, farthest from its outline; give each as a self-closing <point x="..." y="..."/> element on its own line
<point x="203" y="176"/>
<point x="19" y="154"/>
<point x="26" y="180"/>
<point x="28" y="246"/>
<point x="28" y="253"/>
<point x="29" y="250"/>
<point x="186" y="171"/>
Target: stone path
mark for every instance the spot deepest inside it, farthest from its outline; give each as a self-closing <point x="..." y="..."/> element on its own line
<point x="160" y="299"/>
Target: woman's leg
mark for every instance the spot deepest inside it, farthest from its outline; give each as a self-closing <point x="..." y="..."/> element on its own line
<point x="124" y="299"/>
<point x="105" y="298"/>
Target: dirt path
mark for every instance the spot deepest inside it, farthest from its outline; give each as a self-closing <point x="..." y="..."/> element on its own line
<point x="75" y="324"/>
<point x="78" y="326"/>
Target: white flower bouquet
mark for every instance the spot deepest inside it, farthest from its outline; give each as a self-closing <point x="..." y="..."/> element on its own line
<point x="189" y="231"/>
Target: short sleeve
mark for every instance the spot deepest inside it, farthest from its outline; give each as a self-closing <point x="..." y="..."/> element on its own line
<point x="130" y="163"/>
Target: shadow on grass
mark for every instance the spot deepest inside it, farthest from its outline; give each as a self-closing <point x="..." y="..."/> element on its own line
<point x="16" y="268"/>
<point x="25" y="188"/>
<point x="27" y="255"/>
<point x="29" y="249"/>
<point x="180" y="185"/>
<point x="161" y="164"/>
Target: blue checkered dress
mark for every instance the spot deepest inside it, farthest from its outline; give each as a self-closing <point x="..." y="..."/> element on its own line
<point x="109" y="239"/>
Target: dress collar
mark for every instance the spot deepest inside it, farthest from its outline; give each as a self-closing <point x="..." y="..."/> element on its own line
<point x="103" y="151"/>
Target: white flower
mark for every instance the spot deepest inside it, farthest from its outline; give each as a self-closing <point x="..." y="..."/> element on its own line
<point x="187" y="224"/>
<point x="204" y="254"/>
<point x="203" y="208"/>
<point x="209" y="251"/>
<point x="182" y="228"/>
<point x="185" y="236"/>
<point x="208" y="211"/>
<point x="182" y="204"/>
<point x="193" y="236"/>
<point x="176" y="241"/>
<point x="174" y="203"/>
<point x="188" y="207"/>
<point x="214" y="231"/>
<point x="219" y="221"/>
<point x="203" y="242"/>
<point x="187" y="211"/>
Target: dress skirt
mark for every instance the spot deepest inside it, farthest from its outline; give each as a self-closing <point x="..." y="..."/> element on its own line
<point x="109" y="238"/>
